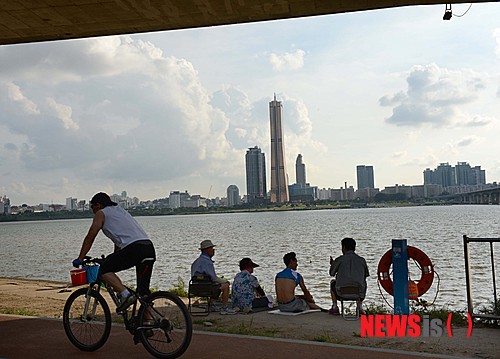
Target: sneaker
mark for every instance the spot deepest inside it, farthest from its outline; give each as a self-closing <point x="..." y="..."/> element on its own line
<point x="125" y="303"/>
<point x="227" y="311"/>
<point x="215" y="307"/>
<point x="334" y="311"/>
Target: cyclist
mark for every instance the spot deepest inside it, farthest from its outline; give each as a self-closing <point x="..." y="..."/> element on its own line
<point x="132" y="248"/>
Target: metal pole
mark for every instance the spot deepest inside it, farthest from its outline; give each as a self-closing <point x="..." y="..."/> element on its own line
<point x="400" y="276"/>
<point x="493" y="273"/>
<point x="467" y="275"/>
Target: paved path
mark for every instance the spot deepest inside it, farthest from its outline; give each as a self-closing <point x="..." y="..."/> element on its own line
<point x="27" y="337"/>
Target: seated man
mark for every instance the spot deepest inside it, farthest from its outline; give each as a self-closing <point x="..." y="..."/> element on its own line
<point x="350" y="270"/>
<point x="286" y="281"/>
<point x="246" y="288"/>
<point x="204" y="266"/>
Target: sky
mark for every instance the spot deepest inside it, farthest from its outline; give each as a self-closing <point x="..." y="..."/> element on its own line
<point x="399" y="89"/>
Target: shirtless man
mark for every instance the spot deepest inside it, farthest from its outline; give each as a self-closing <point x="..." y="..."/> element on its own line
<point x="286" y="281"/>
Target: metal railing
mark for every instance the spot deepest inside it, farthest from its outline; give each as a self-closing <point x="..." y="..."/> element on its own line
<point x="470" y="307"/>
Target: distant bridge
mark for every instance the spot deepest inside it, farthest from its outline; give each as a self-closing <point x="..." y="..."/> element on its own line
<point x="487" y="196"/>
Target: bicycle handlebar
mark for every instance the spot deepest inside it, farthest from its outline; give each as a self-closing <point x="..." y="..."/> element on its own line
<point x="89" y="260"/>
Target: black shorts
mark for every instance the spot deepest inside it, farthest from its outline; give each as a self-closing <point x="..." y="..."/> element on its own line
<point x="141" y="255"/>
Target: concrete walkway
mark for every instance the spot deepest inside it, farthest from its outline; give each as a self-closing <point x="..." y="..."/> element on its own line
<point x="28" y="337"/>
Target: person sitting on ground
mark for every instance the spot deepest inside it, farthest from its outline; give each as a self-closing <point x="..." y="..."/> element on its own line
<point x="349" y="270"/>
<point x="247" y="292"/>
<point x="285" y="283"/>
<point x="204" y="266"/>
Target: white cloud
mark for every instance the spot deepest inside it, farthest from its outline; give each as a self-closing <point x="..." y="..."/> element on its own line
<point x="127" y="112"/>
<point x="288" y="60"/>
<point x="63" y="113"/>
<point x="496" y="35"/>
<point x="15" y="94"/>
<point x="466" y="141"/>
<point x="479" y="121"/>
<point x="434" y="96"/>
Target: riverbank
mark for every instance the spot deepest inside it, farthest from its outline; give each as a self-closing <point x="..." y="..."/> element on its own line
<point x="46" y="299"/>
<point x="58" y="215"/>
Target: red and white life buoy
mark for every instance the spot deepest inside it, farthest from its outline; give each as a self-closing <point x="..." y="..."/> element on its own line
<point x="425" y="264"/>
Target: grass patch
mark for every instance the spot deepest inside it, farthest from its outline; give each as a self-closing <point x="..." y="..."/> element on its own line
<point x="492" y="309"/>
<point x="422" y="307"/>
<point x="326" y="338"/>
<point x="248" y="329"/>
<point x="180" y="288"/>
<point x="373" y="308"/>
<point x="24" y="312"/>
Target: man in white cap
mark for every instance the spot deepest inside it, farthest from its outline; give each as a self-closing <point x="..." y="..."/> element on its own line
<point x="204" y="266"/>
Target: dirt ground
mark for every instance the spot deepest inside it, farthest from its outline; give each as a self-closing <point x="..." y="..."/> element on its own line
<point x="46" y="299"/>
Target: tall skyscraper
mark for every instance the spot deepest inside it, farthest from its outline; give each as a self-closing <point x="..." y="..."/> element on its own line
<point x="256" y="174"/>
<point x="300" y="171"/>
<point x="365" y="177"/>
<point x="279" y="178"/>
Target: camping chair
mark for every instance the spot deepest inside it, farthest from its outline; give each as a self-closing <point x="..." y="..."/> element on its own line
<point x="201" y="286"/>
<point x="352" y="293"/>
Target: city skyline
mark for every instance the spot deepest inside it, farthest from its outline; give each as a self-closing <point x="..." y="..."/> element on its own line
<point x="399" y="89"/>
<point x="444" y="176"/>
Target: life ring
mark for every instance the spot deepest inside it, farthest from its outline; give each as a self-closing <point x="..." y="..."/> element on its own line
<point x="425" y="264"/>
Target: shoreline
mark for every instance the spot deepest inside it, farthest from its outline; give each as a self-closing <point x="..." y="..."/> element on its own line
<point x="64" y="215"/>
<point x="45" y="298"/>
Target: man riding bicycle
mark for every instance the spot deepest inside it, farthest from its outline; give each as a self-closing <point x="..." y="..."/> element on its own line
<point x="132" y="248"/>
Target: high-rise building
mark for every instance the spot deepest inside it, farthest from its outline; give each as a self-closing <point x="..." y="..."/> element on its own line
<point x="71" y="204"/>
<point x="479" y="175"/>
<point x="4" y="205"/>
<point x="233" y="196"/>
<point x="279" y="178"/>
<point x="300" y="171"/>
<point x="174" y="199"/>
<point x="365" y="177"/>
<point x="256" y="174"/>
<point x="445" y="175"/>
<point x="460" y="175"/>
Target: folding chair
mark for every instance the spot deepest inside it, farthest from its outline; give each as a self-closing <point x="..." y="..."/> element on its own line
<point x="349" y="294"/>
<point x="202" y="287"/>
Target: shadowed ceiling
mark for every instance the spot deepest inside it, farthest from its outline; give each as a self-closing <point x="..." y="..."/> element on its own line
<point x="23" y="21"/>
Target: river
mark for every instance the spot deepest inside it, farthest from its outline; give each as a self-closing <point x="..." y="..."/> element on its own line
<point x="45" y="249"/>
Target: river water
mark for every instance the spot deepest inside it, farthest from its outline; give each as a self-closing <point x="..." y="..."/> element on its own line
<point x="45" y="249"/>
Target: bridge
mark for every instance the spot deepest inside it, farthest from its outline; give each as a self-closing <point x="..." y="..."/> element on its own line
<point x="23" y="21"/>
<point x="488" y="196"/>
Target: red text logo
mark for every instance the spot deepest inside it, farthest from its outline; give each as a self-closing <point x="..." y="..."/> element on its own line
<point x="412" y="325"/>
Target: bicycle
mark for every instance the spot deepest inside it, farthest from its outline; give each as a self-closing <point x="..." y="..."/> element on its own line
<point x="161" y="323"/>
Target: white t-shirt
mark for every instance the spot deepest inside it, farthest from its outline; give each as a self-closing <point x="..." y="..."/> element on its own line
<point x="121" y="227"/>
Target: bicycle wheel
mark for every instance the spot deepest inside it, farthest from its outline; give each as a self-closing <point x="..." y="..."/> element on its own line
<point x="86" y="323"/>
<point x="166" y="325"/>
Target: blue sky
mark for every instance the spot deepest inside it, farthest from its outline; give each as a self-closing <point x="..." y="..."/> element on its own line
<point x="399" y="89"/>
